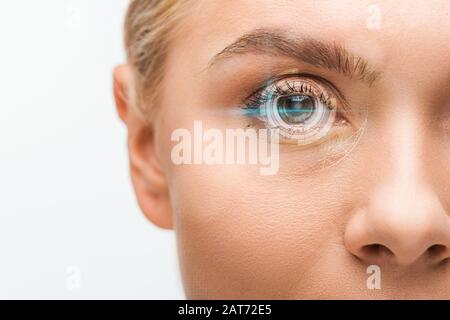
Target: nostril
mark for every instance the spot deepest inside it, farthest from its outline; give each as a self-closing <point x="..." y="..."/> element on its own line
<point x="376" y="251"/>
<point x="437" y="251"/>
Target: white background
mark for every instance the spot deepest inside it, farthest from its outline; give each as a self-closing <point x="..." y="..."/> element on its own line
<point x="69" y="224"/>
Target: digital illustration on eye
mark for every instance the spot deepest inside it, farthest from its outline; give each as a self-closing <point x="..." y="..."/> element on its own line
<point x="308" y="111"/>
<point x="300" y="109"/>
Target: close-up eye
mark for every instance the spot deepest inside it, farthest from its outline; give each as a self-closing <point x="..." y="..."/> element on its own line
<point x="303" y="109"/>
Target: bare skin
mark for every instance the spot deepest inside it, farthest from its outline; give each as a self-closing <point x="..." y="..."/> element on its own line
<point x="308" y="231"/>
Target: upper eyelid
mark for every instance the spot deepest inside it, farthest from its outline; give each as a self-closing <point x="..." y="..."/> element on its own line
<point x="321" y="80"/>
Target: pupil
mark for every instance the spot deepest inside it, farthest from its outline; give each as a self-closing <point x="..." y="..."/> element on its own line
<point x="296" y="109"/>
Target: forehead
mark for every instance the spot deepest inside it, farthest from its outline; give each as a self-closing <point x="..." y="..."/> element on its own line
<point x="326" y="13"/>
<point x="384" y="32"/>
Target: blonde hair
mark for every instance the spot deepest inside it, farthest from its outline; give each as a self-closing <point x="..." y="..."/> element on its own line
<point x="149" y="27"/>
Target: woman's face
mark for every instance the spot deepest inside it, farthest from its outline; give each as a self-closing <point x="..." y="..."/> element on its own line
<point x="360" y="94"/>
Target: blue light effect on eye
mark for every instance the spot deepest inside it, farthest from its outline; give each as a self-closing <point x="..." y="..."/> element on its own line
<point x="259" y="112"/>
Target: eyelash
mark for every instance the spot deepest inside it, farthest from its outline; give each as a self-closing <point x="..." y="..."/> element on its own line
<point x="262" y="95"/>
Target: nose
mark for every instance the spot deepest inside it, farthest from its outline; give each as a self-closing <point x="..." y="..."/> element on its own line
<point x="400" y="227"/>
<point x="402" y="221"/>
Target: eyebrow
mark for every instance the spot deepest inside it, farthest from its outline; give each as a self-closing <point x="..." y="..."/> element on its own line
<point x="326" y="55"/>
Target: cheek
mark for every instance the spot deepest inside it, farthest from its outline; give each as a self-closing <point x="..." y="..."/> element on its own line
<point x="239" y="231"/>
